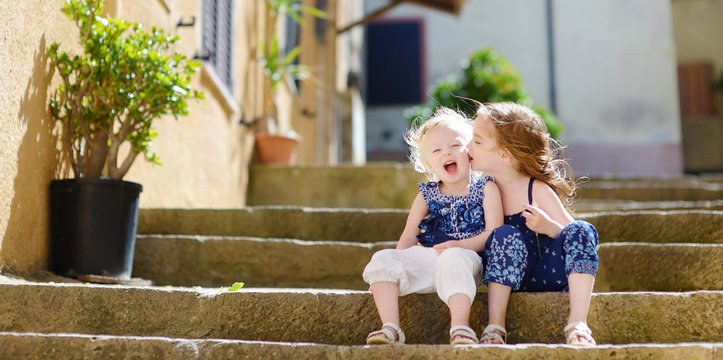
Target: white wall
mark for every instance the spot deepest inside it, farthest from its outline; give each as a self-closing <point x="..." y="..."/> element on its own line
<point x="617" y="90"/>
<point x="615" y="67"/>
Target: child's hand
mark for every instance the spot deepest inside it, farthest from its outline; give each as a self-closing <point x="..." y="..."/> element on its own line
<point x="444" y="246"/>
<point x="539" y="221"/>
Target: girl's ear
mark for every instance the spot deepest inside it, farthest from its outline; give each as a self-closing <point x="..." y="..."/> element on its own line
<point x="505" y="155"/>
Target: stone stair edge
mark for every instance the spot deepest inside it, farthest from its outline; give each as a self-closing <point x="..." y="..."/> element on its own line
<point x="322" y="316"/>
<point x="326" y="209"/>
<point x="63" y="345"/>
<point x="390" y="243"/>
<point x="207" y="238"/>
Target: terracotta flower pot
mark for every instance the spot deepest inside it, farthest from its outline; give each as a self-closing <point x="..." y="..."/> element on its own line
<point x="277" y="149"/>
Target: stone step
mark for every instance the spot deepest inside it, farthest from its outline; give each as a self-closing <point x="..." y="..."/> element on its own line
<point x="393" y="185"/>
<point x="101" y="347"/>
<point x="372" y="225"/>
<point x="183" y="260"/>
<point x="336" y="317"/>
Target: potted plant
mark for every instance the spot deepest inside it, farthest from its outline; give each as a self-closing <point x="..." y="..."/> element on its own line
<point x="279" y="144"/>
<point x="109" y="95"/>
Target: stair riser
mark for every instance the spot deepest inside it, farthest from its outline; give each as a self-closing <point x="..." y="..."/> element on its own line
<point x="344" y="318"/>
<point x="51" y="347"/>
<point x="209" y="261"/>
<point x="386" y="225"/>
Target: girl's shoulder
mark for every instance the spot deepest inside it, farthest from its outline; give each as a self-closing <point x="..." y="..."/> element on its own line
<point x="479" y="182"/>
<point x="542" y="191"/>
<point x="428" y="186"/>
<point x="429" y="190"/>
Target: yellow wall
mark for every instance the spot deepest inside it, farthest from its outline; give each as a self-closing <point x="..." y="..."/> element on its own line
<point x="205" y="156"/>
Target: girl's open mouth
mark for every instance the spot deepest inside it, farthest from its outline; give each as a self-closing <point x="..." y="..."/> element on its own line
<point x="450" y="167"/>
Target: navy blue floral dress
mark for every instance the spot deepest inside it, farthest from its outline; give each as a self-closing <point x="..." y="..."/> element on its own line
<point x="451" y="217"/>
<point x="517" y="257"/>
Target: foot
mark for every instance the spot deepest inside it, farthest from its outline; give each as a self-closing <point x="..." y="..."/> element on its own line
<point x="494" y="335"/>
<point x="579" y="334"/>
<point x="390" y="333"/>
<point x="462" y="335"/>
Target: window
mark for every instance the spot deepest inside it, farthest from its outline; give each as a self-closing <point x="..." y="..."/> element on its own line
<point x="217" y="37"/>
<point x="394" y="63"/>
<point x="695" y="89"/>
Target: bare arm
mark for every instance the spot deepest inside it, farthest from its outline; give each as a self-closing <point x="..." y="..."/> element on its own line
<point x="549" y="215"/>
<point x="493" y="216"/>
<point x="418" y="211"/>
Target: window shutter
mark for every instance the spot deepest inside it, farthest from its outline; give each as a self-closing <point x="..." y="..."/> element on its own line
<point x="694" y="86"/>
<point x="217" y="38"/>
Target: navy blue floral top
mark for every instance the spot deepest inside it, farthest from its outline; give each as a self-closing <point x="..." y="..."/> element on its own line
<point x="452" y="217"/>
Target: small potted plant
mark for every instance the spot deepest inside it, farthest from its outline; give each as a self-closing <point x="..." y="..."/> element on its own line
<point x="108" y="97"/>
<point x="279" y="144"/>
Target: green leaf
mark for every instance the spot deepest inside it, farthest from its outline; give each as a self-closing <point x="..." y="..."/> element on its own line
<point x="236" y="286"/>
<point x="313" y="11"/>
<point x="289" y="58"/>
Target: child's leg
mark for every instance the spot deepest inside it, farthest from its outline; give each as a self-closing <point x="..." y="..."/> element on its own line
<point x="505" y="260"/>
<point x="581" y="261"/>
<point x="498" y="296"/>
<point x="459" y="308"/>
<point x="580" y="295"/>
<point x="393" y="272"/>
<point x="386" y="295"/>
<point x="458" y="274"/>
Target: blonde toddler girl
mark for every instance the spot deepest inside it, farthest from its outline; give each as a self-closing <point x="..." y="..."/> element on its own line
<point x="448" y="224"/>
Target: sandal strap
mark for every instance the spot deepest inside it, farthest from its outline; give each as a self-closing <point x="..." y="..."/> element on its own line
<point x="462" y="330"/>
<point x="576" y="329"/>
<point x="389" y="334"/>
<point x="493" y="331"/>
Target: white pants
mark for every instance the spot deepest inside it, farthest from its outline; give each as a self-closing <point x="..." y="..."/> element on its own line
<point x="422" y="270"/>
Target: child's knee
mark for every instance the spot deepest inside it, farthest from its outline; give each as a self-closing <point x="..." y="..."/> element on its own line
<point x="581" y="231"/>
<point x="454" y="260"/>
<point x="382" y="267"/>
<point x="384" y="256"/>
<point x="580" y="245"/>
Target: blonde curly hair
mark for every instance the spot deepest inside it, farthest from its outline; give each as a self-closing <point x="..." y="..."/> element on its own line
<point x="414" y="136"/>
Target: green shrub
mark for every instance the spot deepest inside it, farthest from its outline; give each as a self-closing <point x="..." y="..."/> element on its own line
<point x="486" y="77"/>
<point x="110" y="94"/>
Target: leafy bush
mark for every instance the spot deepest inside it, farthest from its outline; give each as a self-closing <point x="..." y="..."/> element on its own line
<point x="486" y="77"/>
<point x="111" y="93"/>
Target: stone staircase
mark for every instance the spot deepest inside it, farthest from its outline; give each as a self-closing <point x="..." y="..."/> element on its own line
<point x="658" y="295"/>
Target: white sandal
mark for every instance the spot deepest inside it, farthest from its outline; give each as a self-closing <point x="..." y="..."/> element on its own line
<point x="387" y="337"/>
<point x="492" y="332"/>
<point x="579" y="329"/>
<point x="465" y="335"/>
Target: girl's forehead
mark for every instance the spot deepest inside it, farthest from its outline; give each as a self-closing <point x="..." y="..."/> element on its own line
<point x="483" y="125"/>
<point x="447" y="130"/>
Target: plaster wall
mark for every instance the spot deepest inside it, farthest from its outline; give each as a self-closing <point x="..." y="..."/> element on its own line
<point x="205" y="155"/>
<point x="617" y="92"/>
<point x="29" y="155"/>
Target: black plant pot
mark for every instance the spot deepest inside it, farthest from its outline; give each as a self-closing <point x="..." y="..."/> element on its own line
<point x="93" y="227"/>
